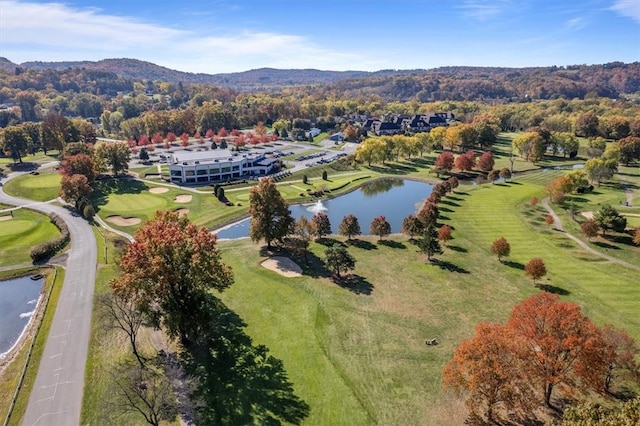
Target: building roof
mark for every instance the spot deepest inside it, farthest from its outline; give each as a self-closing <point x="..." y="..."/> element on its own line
<point x="210" y="156"/>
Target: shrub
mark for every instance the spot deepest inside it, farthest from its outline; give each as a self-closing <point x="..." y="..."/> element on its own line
<point x="49" y="248"/>
<point x="305" y="179"/>
<point x="88" y="212"/>
<point x="324" y="175"/>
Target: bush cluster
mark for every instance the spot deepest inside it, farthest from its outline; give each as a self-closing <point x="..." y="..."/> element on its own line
<point x="49" y="248"/>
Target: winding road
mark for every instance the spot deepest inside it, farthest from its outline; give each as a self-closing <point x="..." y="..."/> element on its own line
<point x="56" y="397"/>
<point x="558" y="226"/>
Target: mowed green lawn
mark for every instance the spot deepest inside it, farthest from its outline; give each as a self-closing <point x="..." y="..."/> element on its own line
<point x="361" y="358"/>
<point x="19" y="234"/>
<point x="42" y="187"/>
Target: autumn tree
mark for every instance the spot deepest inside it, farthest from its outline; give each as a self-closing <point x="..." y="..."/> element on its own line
<point x="380" y="227"/>
<point x="338" y="259"/>
<point x="560" y="345"/>
<point x="428" y="214"/>
<point x="321" y="224"/>
<point x="535" y="269"/>
<point x="444" y="234"/>
<point x="589" y="228"/>
<point x="587" y="125"/>
<point x="505" y="173"/>
<point x="620" y="355"/>
<point x="549" y="220"/>
<point x="466" y="162"/>
<point x="501" y="248"/>
<point x="349" y="227"/>
<point x="453" y="183"/>
<point x="75" y="188"/>
<point x="636" y="237"/>
<point x="444" y="162"/>
<point x="600" y="170"/>
<point x="79" y="164"/>
<point x="629" y="149"/>
<point x="428" y="242"/>
<point x="493" y="176"/>
<point x="412" y="226"/>
<point x="113" y="155"/>
<point x="55" y="132"/>
<point x="486" y="368"/>
<point x="609" y="219"/>
<point x="271" y="218"/>
<point x="486" y="161"/>
<point x="530" y="146"/>
<point x="169" y="270"/>
<point x="303" y="231"/>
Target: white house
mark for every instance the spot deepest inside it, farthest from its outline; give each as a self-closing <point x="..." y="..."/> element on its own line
<point x="218" y="165"/>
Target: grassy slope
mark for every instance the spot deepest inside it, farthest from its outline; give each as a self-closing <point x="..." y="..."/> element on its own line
<point x="369" y="350"/>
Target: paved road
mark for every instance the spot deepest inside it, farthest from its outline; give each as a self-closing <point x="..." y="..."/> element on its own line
<point x="56" y="397"/>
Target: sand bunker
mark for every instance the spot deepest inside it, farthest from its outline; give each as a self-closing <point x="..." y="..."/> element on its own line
<point x="588" y="215"/>
<point x="158" y="190"/>
<point x="182" y="212"/>
<point x="183" y="198"/>
<point x="283" y="265"/>
<point x="123" y="221"/>
<point x="5" y="217"/>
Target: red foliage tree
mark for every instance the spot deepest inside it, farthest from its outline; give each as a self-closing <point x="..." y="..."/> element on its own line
<point x="380" y="227"/>
<point x="428" y="214"/>
<point x="534" y="201"/>
<point x="466" y="161"/>
<point x="486" y="162"/>
<point x="171" y="137"/>
<point x="501" y="248"/>
<point x="535" y="269"/>
<point x="223" y="133"/>
<point x="209" y="135"/>
<point x="444" y="234"/>
<point x="143" y="140"/>
<point x="444" y="161"/>
<point x="79" y="164"/>
<point x="621" y="354"/>
<point x="549" y="220"/>
<point x="560" y="345"/>
<point x="74" y="188"/>
<point x="156" y="139"/>
<point x="184" y="140"/>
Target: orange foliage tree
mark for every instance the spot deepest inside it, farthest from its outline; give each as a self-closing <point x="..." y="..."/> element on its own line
<point x="444" y="234"/>
<point x="535" y="269"/>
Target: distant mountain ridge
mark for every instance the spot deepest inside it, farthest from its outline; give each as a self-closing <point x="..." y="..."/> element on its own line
<point x="246" y="80"/>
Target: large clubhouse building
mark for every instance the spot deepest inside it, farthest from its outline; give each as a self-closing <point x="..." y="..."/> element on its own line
<point x="218" y="165"/>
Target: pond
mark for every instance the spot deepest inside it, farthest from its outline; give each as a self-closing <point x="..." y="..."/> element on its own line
<point x="18" y="302"/>
<point x="393" y="198"/>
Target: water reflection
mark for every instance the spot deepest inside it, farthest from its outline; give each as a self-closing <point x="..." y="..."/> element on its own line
<point x="371" y="189"/>
<point x="18" y="302"/>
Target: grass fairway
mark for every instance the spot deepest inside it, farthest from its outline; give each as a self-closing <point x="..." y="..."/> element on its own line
<point x="42" y="187"/>
<point x="19" y="234"/>
<point x="360" y="358"/>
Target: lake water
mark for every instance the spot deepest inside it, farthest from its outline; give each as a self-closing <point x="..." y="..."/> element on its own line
<point x="393" y="198"/>
<point x="18" y="301"/>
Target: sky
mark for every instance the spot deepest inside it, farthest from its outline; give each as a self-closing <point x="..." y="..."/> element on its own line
<point x="217" y="36"/>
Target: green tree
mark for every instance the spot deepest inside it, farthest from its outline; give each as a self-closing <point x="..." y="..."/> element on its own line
<point x="530" y="146"/>
<point x="429" y="243"/>
<point x="112" y="155"/>
<point x="600" y="170"/>
<point x="338" y="259"/>
<point x="56" y="132"/>
<point x="16" y="142"/>
<point x="304" y="229"/>
<point x="608" y="218"/>
<point x="629" y="149"/>
<point x="271" y="218"/>
<point x="169" y="270"/>
<point x="349" y="227"/>
<point x="380" y="227"/>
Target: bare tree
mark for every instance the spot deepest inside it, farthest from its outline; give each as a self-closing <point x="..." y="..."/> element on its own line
<point x="144" y="390"/>
<point x="122" y="313"/>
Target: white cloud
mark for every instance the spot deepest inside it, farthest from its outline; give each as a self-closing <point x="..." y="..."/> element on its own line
<point x="58" y="32"/>
<point x="575" y="24"/>
<point x="482" y="10"/>
<point x="628" y="8"/>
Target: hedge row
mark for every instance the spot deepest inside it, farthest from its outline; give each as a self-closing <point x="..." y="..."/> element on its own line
<point x="49" y="248"/>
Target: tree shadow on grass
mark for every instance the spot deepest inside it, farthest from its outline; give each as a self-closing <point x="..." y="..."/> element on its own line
<point x="553" y="289"/>
<point x="448" y="266"/>
<point x="392" y="244"/>
<point x="605" y="246"/>
<point x="235" y="381"/>
<point x="103" y="189"/>
<point x="328" y="241"/>
<point x="451" y="197"/>
<point x="26" y="166"/>
<point x="513" y="264"/>
<point x="449" y="203"/>
<point x="362" y="244"/>
<point x="354" y="283"/>
<point x="458" y="249"/>
<point x="442" y="217"/>
<point x="445" y="209"/>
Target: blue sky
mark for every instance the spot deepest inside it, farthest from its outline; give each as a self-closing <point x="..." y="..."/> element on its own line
<point x="214" y="36"/>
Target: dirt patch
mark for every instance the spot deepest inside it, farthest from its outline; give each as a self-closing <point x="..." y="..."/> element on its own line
<point x="588" y="215"/>
<point x="183" y="198"/>
<point x="283" y="265"/>
<point x="6" y="217"/>
<point x="123" y="221"/>
<point x="158" y="190"/>
<point x="182" y="212"/>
